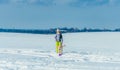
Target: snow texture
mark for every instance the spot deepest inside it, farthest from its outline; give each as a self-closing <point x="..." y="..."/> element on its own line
<point x="82" y="51"/>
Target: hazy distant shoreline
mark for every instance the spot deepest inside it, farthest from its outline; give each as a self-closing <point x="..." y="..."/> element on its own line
<point x="52" y="30"/>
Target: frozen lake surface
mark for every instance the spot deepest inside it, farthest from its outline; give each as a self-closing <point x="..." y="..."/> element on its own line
<point x="83" y="51"/>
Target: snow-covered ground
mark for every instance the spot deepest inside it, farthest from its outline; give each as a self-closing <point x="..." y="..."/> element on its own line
<point x="82" y="51"/>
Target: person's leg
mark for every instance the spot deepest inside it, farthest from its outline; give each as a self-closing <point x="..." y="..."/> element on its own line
<point x="60" y="48"/>
<point x="57" y="47"/>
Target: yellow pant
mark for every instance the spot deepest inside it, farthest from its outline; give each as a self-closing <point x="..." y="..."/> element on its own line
<point x="58" y="45"/>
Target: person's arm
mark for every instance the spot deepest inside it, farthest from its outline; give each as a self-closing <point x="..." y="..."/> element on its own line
<point x="61" y="38"/>
<point x="55" y="37"/>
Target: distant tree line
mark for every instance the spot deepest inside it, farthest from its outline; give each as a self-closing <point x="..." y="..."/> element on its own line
<point x="53" y="30"/>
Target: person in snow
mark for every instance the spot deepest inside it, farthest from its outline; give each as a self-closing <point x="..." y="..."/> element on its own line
<point x="59" y="41"/>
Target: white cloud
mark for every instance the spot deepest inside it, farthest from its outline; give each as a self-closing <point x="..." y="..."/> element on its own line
<point x="65" y="2"/>
<point x="114" y="2"/>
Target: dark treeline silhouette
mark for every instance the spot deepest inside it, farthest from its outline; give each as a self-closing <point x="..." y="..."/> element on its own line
<point x="53" y="30"/>
<point x="28" y="31"/>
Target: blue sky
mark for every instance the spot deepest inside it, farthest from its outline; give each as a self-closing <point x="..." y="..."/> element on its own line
<point x="42" y="14"/>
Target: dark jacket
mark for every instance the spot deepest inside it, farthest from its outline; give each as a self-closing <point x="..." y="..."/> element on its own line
<point x="59" y="37"/>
